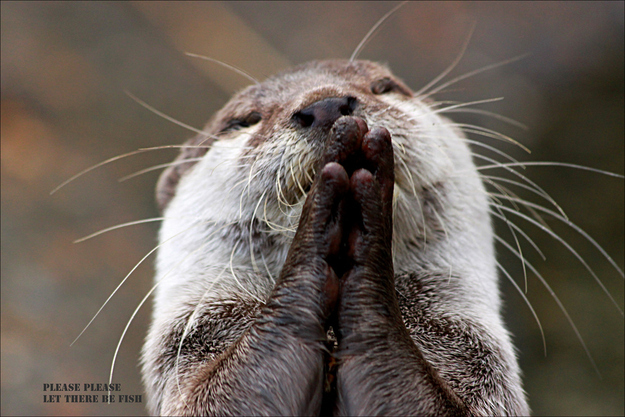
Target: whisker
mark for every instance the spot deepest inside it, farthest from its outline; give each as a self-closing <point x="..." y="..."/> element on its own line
<point x="234" y="275"/>
<point x="144" y="299"/>
<point x="238" y="183"/>
<point x="229" y="160"/>
<point x="274" y="226"/>
<point x="153" y="148"/>
<point x="279" y="194"/>
<point x="509" y="192"/>
<point x="124" y="280"/>
<point x="558" y="302"/>
<point x="490" y="134"/>
<point x="132" y="317"/>
<point x="308" y="177"/>
<point x="440" y="220"/>
<point x="516" y="286"/>
<point x="369" y="34"/>
<point x="229" y="66"/>
<point x="554" y="164"/>
<point x="527" y="302"/>
<point x="415" y="194"/>
<point x="507" y="167"/>
<point x="450" y="67"/>
<point x="247" y="187"/>
<point x="475" y="72"/>
<point x="296" y="180"/>
<point x="167" y="117"/>
<point x="494" y="115"/>
<point x="531" y="210"/>
<point x="108" y="161"/>
<point x="518" y="229"/>
<point x="252" y="258"/>
<point x="490" y="148"/>
<point x="491" y="178"/>
<point x="558" y="238"/>
<point x="157" y="167"/>
<point x="262" y="255"/>
<point x="119" y="226"/>
<point x="574" y="227"/>
<point x="516" y="239"/>
<point x="470" y="103"/>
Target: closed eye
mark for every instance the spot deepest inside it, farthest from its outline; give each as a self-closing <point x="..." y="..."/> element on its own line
<point x="387" y="85"/>
<point x="241" y="123"/>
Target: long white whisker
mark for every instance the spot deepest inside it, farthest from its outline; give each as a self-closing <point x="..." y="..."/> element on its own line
<point x="154" y="148"/>
<point x="516" y="239"/>
<point x="144" y="299"/>
<point x="247" y="187"/>
<point x="557" y="300"/>
<point x="494" y="115"/>
<point x="475" y="72"/>
<point x="229" y="66"/>
<point x="574" y="227"/>
<point x="132" y="317"/>
<point x="531" y="210"/>
<point x="113" y="159"/>
<point x="450" y="67"/>
<point x="518" y="229"/>
<point x="507" y="167"/>
<point x="367" y="37"/>
<point x="470" y="103"/>
<point x="527" y="302"/>
<point x="119" y="226"/>
<point x="578" y="256"/>
<point x="482" y="131"/>
<point x="490" y="148"/>
<point x="296" y="181"/>
<point x="253" y="259"/>
<point x="414" y="192"/>
<point x="274" y="226"/>
<point x="167" y="117"/>
<point x="157" y="167"/>
<point x="491" y="178"/>
<point x="124" y="280"/>
<point x="280" y="193"/>
<point x="234" y="275"/>
<point x="554" y="164"/>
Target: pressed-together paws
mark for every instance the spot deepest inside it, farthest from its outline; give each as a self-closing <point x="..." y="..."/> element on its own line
<point x="316" y="256"/>
<point x="342" y="246"/>
<point x="367" y="301"/>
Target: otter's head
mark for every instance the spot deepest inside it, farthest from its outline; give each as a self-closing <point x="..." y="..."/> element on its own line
<point x="295" y="108"/>
<point x="251" y="171"/>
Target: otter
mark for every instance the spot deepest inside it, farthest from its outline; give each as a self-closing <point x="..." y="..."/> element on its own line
<point x="327" y="248"/>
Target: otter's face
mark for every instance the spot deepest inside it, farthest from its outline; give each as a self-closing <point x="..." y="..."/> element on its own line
<point x="293" y="112"/>
<point x="263" y="149"/>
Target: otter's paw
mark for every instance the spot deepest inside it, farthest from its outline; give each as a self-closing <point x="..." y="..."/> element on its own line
<point x="367" y="298"/>
<point x="317" y="254"/>
<point x="306" y="279"/>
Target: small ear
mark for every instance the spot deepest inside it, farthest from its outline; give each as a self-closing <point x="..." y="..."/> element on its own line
<point x="169" y="179"/>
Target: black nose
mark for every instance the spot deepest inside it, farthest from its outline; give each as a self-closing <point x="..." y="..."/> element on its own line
<point x="324" y="113"/>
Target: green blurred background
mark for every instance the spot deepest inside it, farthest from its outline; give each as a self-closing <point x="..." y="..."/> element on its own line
<point x="66" y="65"/>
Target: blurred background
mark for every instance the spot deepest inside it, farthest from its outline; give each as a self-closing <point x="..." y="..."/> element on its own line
<point x="66" y="67"/>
